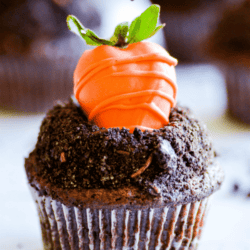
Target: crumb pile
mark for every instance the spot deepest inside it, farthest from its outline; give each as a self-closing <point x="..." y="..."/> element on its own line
<point x="175" y="162"/>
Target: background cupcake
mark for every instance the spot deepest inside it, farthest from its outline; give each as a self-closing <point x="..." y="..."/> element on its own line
<point x="37" y="53"/>
<point x="230" y="47"/>
<point x="188" y="25"/>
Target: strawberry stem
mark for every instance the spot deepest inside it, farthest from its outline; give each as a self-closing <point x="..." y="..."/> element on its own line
<point x="121" y="43"/>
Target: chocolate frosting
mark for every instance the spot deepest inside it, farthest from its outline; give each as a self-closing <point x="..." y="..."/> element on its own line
<point x="79" y="163"/>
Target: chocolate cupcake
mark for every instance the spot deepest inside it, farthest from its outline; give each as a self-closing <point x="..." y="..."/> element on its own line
<point x="107" y="188"/>
<point x="101" y="185"/>
<point x="188" y="25"/>
<point x="229" y="47"/>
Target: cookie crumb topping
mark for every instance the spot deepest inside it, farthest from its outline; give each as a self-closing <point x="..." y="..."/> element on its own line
<point x="72" y="153"/>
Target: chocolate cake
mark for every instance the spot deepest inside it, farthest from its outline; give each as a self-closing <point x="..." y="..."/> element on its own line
<point x="122" y="166"/>
<point x="86" y="167"/>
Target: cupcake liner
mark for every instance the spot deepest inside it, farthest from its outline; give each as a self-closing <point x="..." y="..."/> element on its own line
<point x="30" y="84"/>
<point x="123" y="227"/>
<point x="238" y="88"/>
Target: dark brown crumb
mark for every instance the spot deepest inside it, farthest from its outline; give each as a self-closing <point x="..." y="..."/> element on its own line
<point x="73" y="153"/>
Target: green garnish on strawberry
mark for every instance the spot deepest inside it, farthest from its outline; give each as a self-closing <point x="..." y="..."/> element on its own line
<point x="141" y="28"/>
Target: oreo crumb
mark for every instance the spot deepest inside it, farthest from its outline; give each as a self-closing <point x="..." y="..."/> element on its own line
<point x="72" y="153"/>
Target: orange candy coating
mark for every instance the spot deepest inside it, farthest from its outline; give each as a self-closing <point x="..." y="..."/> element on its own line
<point x="126" y="87"/>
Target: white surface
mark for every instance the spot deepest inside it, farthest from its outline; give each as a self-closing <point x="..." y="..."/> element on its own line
<point x="201" y="87"/>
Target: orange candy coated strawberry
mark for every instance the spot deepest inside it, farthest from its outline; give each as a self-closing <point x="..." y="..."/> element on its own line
<point x="133" y="86"/>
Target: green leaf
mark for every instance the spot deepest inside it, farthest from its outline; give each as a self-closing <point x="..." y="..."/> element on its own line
<point x="157" y="29"/>
<point x="134" y="29"/>
<point x="120" y="30"/>
<point x="144" y="26"/>
<point x="88" y="35"/>
<point x="95" y="39"/>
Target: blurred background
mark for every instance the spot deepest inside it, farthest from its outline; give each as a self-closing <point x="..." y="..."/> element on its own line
<point x="38" y="54"/>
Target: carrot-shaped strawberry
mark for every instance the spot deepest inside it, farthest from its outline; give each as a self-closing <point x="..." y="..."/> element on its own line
<point x="125" y="82"/>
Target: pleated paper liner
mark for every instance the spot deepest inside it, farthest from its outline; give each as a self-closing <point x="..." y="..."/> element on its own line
<point x="34" y="85"/>
<point x="174" y="227"/>
<point x="238" y="88"/>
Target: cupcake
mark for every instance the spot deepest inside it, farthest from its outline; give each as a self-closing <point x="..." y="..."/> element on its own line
<point x="100" y="185"/>
<point x="36" y="55"/>
<point x="229" y="47"/>
<point x="188" y="24"/>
